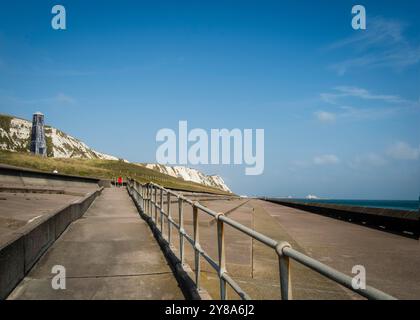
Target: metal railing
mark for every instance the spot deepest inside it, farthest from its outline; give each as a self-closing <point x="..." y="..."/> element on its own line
<point x="146" y="196"/>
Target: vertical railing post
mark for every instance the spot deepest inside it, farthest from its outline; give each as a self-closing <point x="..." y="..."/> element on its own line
<point x="196" y="247"/>
<point x="168" y="205"/>
<point x="284" y="272"/>
<point x="157" y="206"/>
<point x="152" y="192"/>
<point x="152" y="195"/>
<point x="141" y="196"/>
<point x="222" y="256"/>
<point x="181" y="229"/>
<point x="148" y="200"/>
<point x="146" y="196"/>
<point x="155" y="203"/>
<point x="161" y="211"/>
<point x="143" y="189"/>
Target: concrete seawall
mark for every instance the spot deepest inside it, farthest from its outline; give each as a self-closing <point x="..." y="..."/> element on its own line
<point x="21" y="249"/>
<point x="11" y="175"/>
<point x="406" y="223"/>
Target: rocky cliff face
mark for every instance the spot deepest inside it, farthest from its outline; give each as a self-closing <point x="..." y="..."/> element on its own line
<point x="189" y="174"/>
<point x="15" y="135"/>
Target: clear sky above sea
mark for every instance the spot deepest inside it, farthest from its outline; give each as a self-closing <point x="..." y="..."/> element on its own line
<point x="340" y="107"/>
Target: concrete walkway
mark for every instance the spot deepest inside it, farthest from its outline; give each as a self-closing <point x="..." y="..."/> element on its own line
<point x="253" y="265"/>
<point x="391" y="261"/>
<point x="110" y="253"/>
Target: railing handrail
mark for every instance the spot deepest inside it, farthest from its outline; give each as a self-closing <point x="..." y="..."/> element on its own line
<point x="283" y="250"/>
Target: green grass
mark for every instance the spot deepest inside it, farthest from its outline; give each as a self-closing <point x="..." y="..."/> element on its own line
<point x="5" y="121"/>
<point x="48" y="141"/>
<point x="106" y="169"/>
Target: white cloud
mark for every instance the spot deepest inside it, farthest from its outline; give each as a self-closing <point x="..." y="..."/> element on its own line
<point x="58" y="99"/>
<point x="403" y="151"/>
<point x="341" y="92"/>
<point x="382" y="44"/>
<point x="399" y="150"/>
<point x="370" y="159"/>
<point x="366" y="113"/>
<point x="370" y="105"/>
<point x="301" y="163"/>
<point x="326" y="159"/>
<point x="63" y="99"/>
<point x="325" y="116"/>
<point x="365" y="94"/>
<point x="380" y="31"/>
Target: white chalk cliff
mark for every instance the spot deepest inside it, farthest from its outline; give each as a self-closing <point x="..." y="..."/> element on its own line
<point x="189" y="174"/>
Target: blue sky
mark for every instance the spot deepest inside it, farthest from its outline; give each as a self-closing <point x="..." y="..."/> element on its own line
<point x="340" y="107"/>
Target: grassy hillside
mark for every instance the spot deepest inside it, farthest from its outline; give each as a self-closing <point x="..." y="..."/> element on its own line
<point x="107" y="169"/>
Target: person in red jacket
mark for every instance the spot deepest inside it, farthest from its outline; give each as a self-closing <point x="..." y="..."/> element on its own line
<point x="120" y="181"/>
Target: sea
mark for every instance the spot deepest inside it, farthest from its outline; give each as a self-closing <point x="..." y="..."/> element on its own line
<point x="408" y="205"/>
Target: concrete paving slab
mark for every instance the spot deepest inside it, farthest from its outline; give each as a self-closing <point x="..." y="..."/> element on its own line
<point x="20" y="209"/>
<point x="142" y="287"/>
<point x="110" y="253"/>
<point x="391" y="261"/>
<point x="253" y="265"/>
